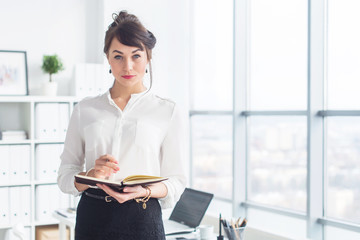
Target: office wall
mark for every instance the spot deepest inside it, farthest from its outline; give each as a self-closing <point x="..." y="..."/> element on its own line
<point x="75" y="31"/>
<point x="67" y="28"/>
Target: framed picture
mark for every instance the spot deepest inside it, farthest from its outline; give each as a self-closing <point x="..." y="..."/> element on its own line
<point x="13" y="73"/>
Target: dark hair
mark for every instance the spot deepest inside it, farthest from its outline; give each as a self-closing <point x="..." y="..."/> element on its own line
<point x="129" y="31"/>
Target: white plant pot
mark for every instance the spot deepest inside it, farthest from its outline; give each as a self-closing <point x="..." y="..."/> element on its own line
<point x="49" y="88"/>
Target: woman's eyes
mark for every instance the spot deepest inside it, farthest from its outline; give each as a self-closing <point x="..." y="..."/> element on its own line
<point x="136" y="56"/>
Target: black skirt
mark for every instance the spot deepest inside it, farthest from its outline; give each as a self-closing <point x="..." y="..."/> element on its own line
<point x="98" y="219"/>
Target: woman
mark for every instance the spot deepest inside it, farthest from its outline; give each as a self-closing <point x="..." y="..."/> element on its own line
<point x="126" y="131"/>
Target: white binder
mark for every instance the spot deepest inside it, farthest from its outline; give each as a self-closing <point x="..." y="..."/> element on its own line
<point x="40" y="121"/>
<point x="42" y="200"/>
<point x="16" y="205"/>
<point x="24" y="174"/>
<point x="63" y="120"/>
<point x="4" y="164"/>
<point x="19" y="164"/>
<point x="25" y="216"/>
<point x="47" y="121"/>
<point x="53" y="122"/>
<point x="40" y="171"/>
<point x="5" y="207"/>
<point x="47" y="157"/>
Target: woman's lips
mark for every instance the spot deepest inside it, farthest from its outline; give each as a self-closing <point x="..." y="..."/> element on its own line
<point x="128" y="76"/>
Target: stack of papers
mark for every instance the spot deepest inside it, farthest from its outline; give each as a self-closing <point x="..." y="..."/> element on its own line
<point x="12" y="135"/>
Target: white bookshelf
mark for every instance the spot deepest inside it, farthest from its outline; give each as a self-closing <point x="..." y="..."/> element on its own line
<point x="18" y="113"/>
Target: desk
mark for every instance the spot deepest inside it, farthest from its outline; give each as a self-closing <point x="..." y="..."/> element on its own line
<point x="70" y="222"/>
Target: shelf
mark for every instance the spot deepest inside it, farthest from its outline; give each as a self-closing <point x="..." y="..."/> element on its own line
<point x="41" y="182"/>
<point x="37" y="141"/>
<point x="16" y="185"/>
<point x="26" y="99"/>
<point x="17" y="142"/>
<point x="51" y="221"/>
<point x="22" y="113"/>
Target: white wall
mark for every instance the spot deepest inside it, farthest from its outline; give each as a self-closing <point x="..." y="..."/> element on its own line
<point x="75" y="31"/>
<point x="43" y="27"/>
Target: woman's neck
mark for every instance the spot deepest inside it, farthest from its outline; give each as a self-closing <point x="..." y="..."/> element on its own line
<point x="120" y="92"/>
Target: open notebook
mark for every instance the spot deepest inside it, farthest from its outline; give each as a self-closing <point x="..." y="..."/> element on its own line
<point x="188" y="212"/>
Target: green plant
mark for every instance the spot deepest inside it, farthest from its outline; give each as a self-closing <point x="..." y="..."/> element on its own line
<point x="52" y="64"/>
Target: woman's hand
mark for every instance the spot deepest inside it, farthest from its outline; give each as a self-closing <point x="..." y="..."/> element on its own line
<point x="158" y="190"/>
<point x="104" y="167"/>
<point x="128" y="194"/>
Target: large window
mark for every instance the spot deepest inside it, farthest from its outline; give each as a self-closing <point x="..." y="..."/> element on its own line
<point x="278" y="54"/>
<point x="343" y="104"/>
<point x="292" y="134"/>
<point x="211" y="94"/>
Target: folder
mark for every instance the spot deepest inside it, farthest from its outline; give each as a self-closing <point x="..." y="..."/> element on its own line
<point x="80" y="78"/>
<point x="53" y="123"/>
<point x="19" y="164"/>
<point x="4" y="164"/>
<point x="16" y="205"/>
<point x="43" y="203"/>
<point x="24" y="153"/>
<point x="47" y="121"/>
<point x="63" y="120"/>
<point x="5" y="207"/>
<point x="40" y="162"/>
<point x="25" y="197"/>
<point x="40" y="121"/>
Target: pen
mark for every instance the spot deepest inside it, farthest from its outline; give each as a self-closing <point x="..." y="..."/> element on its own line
<point x="220" y="237"/>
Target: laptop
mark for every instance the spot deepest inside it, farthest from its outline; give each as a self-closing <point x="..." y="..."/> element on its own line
<point x="188" y="212"/>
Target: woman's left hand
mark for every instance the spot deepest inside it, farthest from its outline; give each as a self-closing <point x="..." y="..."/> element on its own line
<point x="128" y="193"/>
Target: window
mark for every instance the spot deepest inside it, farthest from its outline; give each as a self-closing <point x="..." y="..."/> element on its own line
<point x="342" y="194"/>
<point x="277" y="161"/>
<point x="293" y="131"/>
<point x="211" y="96"/>
<point x="212" y="154"/>
<point x="278" y="54"/>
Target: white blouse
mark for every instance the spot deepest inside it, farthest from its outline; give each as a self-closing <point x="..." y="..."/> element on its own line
<point x="147" y="137"/>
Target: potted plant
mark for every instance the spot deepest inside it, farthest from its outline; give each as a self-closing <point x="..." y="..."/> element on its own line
<point x="52" y="64"/>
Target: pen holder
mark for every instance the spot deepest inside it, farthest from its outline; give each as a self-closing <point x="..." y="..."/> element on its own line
<point x="234" y="233"/>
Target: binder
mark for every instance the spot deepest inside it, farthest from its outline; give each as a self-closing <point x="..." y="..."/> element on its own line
<point x="40" y="171"/>
<point x="90" y="79"/>
<point x="19" y="164"/>
<point x="4" y="164"/>
<point x="40" y="121"/>
<point x="63" y="114"/>
<point x="80" y="77"/>
<point x="53" y="123"/>
<point x="43" y="203"/>
<point x="5" y="207"/>
<point x="24" y="174"/>
<point x="25" y="196"/>
<point x="47" y="157"/>
<point x="16" y="205"/>
<point x="53" y="161"/>
<point x="47" y="121"/>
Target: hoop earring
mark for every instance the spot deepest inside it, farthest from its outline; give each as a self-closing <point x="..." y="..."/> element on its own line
<point x="110" y="70"/>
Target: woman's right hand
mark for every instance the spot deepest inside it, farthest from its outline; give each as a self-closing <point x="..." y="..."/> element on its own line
<point x="104" y="167"/>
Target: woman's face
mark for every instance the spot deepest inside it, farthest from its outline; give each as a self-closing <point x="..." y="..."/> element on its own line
<point x="128" y="64"/>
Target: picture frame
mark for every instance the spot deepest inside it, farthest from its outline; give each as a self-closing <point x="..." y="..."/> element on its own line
<point x="13" y="73"/>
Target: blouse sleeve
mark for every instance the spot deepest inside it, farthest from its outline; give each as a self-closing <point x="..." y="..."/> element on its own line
<point x="172" y="156"/>
<point x="72" y="158"/>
